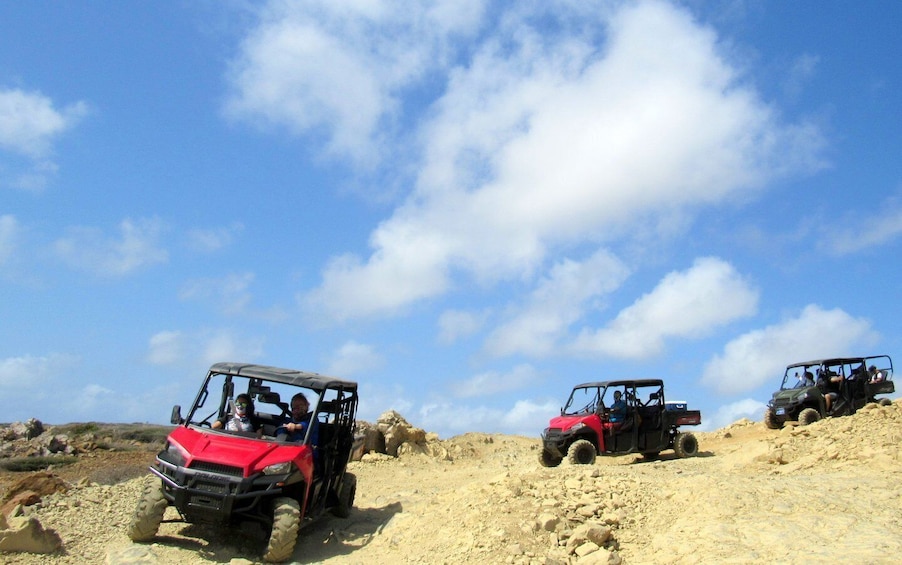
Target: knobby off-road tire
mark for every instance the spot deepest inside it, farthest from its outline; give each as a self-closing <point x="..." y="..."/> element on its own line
<point x="685" y="445"/>
<point x="770" y="420"/>
<point x="549" y="460"/>
<point x="346" y="496"/>
<point x="581" y="452"/>
<point x="808" y="416"/>
<point x="286" y="519"/>
<point x="149" y="512"/>
<point x="884" y="401"/>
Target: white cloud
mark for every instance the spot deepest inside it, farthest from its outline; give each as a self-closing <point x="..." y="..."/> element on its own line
<point x="29" y="123"/>
<point x="493" y="382"/>
<point x="35" y="373"/>
<point x="457" y="324"/>
<point x="202" y="348"/>
<point x="136" y="247"/>
<point x="232" y="295"/>
<point x="353" y="358"/>
<point x="9" y="232"/>
<point x="685" y="304"/>
<point x="526" y="417"/>
<point x="166" y="348"/>
<point x="863" y="230"/>
<point x="213" y="239"/>
<point x="761" y="356"/>
<point x="341" y="67"/>
<point x="730" y="413"/>
<point x="543" y="140"/>
<point x="557" y="302"/>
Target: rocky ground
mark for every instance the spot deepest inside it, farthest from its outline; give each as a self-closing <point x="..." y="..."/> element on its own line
<point x="831" y="491"/>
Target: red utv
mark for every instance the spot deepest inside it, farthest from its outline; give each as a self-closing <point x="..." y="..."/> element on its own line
<point x="222" y="477"/>
<point x="650" y="424"/>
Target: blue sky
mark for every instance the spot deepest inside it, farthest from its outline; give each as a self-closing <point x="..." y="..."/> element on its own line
<point x="466" y="206"/>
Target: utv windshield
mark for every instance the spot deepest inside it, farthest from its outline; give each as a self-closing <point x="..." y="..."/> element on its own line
<point x="583" y="400"/>
<point x="270" y="401"/>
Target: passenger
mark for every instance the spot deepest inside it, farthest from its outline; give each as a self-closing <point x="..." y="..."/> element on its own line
<point x="875" y="376"/>
<point x="807" y="379"/>
<point x="243" y="418"/>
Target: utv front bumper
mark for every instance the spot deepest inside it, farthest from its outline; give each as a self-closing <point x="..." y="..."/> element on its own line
<point x="555" y="441"/>
<point x="215" y="493"/>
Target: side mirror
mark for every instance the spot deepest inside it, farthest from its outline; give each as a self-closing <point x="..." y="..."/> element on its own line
<point x="176" y="417"/>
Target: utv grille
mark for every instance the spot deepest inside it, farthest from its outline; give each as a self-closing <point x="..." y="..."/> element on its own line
<point x="217" y="468"/>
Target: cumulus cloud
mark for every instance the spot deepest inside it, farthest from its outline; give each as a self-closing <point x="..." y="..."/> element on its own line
<point x="761" y="356"/>
<point x="341" y="67"/>
<point x="729" y="413"/>
<point x="541" y="140"/>
<point x="136" y="247"/>
<point x="213" y="239"/>
<point x="34" y="373"/>
<point x="202" y="348"/>
<point x="864" y="230"/>
<point x="686" y="304"/>
<point x="353" y="358"/>
<point x="457" y="324"/>
<point x="493" y="382"/>
<point x="29" y="124"/>
<point x="557" y="301"/>
<point x="525" y="417"/>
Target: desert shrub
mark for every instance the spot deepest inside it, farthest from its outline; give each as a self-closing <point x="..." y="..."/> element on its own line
<point x="29" y="464"/>
<point x="144" y="434"/>
<point x="81" y="429"/>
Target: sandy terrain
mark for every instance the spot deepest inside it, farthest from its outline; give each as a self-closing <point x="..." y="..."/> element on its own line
<point x="828" y="492"/>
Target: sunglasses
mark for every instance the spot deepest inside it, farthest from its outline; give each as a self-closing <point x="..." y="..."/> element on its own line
<point x="241" y="404"/>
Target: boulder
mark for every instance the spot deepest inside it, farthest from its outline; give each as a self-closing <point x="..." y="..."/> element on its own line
<point x="25" y="533"/>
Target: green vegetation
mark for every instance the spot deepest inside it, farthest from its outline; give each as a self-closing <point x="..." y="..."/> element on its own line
<point x="28" y="464"/>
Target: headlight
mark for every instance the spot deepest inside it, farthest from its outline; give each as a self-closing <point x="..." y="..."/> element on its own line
<point x="802" y="397"/>
<point x="578" y="426"/>
<point x="173" y="455"/>
<point x="277" y="468"/>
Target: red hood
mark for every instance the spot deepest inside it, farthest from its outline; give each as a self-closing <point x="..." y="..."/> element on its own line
<point x="236" y="451"/>
<point x="564" y="423"/>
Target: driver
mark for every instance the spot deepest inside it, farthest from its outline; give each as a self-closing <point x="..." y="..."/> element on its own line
<point x="618" y="409"/>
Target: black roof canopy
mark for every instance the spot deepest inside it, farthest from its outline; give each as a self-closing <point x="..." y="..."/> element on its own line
<point x="627" y="382"/>
<point x="313" y="381"/>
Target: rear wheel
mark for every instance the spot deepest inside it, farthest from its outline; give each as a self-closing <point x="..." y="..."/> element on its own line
<point x="884" y="402"/>
<point x="149" y="512"/>
<point x="808" y="416"/>
<point x="286" y="518"/>
<point x="581" y="452"/>
<point x="685" y="445"/>
<point x="346" y="496"/>
<point x="771" y="421"/>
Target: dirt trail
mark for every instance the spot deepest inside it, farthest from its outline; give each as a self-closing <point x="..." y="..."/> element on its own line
<point x="831" y="491"/>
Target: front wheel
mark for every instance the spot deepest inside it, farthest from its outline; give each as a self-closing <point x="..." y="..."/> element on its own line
<point x="549" y="460"/>
<point x="808" y="416"/>
<point x="884" y="402"/>
<point x="149" y="512"/>
<point x="286" y="518"/>
<point x="685" y="445"/>
<point x="346" y="496"/>
<point x="771" y="421"/>
<point x="581" y="452"/>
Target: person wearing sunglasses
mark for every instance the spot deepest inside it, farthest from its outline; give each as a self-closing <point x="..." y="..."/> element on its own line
<point x="242" y="420"/>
